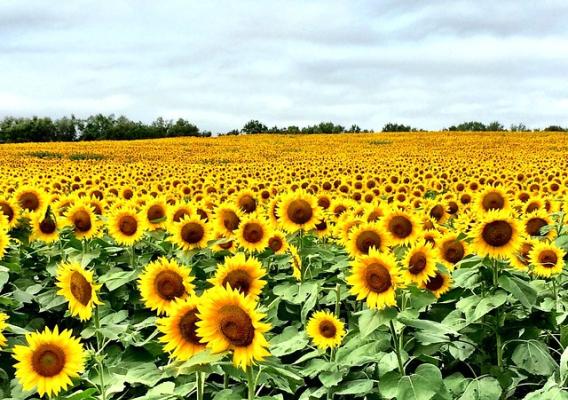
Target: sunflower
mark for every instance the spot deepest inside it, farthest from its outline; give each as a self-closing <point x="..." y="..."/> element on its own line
<point x="30" y="199"/>
<point x="49" y="361"/>
<point x="451" y="250"/>
<point x="126" y="226"/>
<point x="325" y="330"/>
<point x="3" y="326"/>
<point x="366" y="236"/>
<point x="180" y="329"/>
<point x="246" y="201"/>
<point x="299" y="211"/>
<point x="345" y="224"/>
<point x="191" y="232"/>
<point x="230" y="321"/>
<point x="44" y="227"/>
<point x="162" y="282"/>
<point x="438" y="284"/>
<point x="375" y="277"/>
<point x="437" y="211"/>
<point x="242" y="274"/>
<point x="535" y="221"/>
<point x="224" y="243"/>
<point x="296" y="262"/>
<point x="253" y="233"/>
<point x="179" y="210"/>
<point x="4" y="242"/>
<point x="78" y="287"/>
<point x="323" y="228"/>
<point x="420" y="264"/>
<point x="546" y="259"/>
<point x="227" y="218"/>
<point x="491" y="198"/>
<point x="277" y="242"/>
<point x="155" y="213"/>
<point x="11" y="211"/>
<point x="401" y="226"/>
<point x="81" y="217"/>
<point x="496" y="235"/>
<point x="520" y="259"/>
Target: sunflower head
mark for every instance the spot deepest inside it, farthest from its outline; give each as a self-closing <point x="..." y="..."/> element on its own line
<point x="492" y="198"/>
<point x="191" y="232"/>
<point x="126" y="226"/>
<point x="83" y="221"/>
<point x="438" y="284"/>
<point x="299" y="211"/>
<point x="402" y="227"/>
<point x="242" y="274"/>
<point x="31" y="199"/>
<point x="496" y="235"/>
<point x="546" y="259"/>
<point x="420" y="264"/>
<point x="451" y="250"/>
<point x="3" y="325"/>
<point x="78" y="287"/>
<point x="325" y="330"/>
<point x="535" y="221"/>
<point x="228" y="218"/>
<point x="44" y="227"/>
<point x="277" y="242"/>
<point x="253" y="233"/>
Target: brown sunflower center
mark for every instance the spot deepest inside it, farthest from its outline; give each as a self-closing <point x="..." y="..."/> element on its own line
<point x="188" y="327"/>
<point x="7" y="211"/>
<point x="378" y="278"/>
<point x="47" y="226"/>
<point x="275" y="243"/>
<point x="497" y="233"/>
<point x="29" y="201"/>
<point x="179" y="214"/>
<point x="82" y="221"/>
<point x="192" y="232"/>
<point x="299" y="211"/>
<point x="366" y="240"/>
<point x="169" y="285"/>
<point x="534" y="224"/>
<point x="236" y="325"/>
<point x="493" y="201"/>
<point x="417" y="263"/>
<point x="453" y="251"/>
<point x="81" y="289"/>
<point x="155" y="212"/>
<point x="435" y="283"/>
<point x="238" y="280"/>
<point x="437" y="212"/>
<point x="324" y="202"/>
<point x="48" y="360"/>
<point x="128" y="225"/>
<point x="230" y="220"/>
<point x="400" y="226"/>
<point x="547" y="258"/>
<point x="247" y="203"/>
<point x="327" y="329"/>
<point x="253" y="232"/>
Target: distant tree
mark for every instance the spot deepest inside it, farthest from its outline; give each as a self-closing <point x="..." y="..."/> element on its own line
<point x="183" y="128"/>
<point x="253" y="127"/>
<point x="354" y="129"/>
<point x="66" y="129"/>
<point x="472" y="126"/>
<point x="495" y="126"/>
<point x="554" y="128"/>
<point x="293" y="129"/>
<point x="394" y="127"/>
<point x="234" y="132"/>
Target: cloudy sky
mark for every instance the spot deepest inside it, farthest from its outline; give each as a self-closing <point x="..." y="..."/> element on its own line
<point x="221" y="63"/>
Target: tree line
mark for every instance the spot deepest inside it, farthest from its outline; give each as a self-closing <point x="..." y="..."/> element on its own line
<point x="95" y="127"/>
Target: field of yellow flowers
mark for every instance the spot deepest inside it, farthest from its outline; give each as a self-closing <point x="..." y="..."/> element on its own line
<point x="411" y="266"/>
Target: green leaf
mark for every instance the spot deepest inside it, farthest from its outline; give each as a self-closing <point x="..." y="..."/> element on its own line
<point x="356" y="387"/>
<point x="289" y="341"/>
<point x="370" y="320"/>
<point x="521" y="290"/>
<point x="486" y="388"/>
<point x="430" y="332"/>
<point x="422" y="385"/>
<point x="115" y="280"/>
<point x="388" y="384"/>
<point x="82" y="395"/>
<point x="475" y="307"/>
<point x="330" y="378"/>
<point x="533" y="356"/>
<point x="227" y="394"/>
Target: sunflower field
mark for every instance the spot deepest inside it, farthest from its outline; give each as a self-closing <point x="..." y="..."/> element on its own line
<point x="412" y="266"/>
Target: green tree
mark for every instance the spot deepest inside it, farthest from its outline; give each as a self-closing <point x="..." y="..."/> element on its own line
<point x="253" y="127"/>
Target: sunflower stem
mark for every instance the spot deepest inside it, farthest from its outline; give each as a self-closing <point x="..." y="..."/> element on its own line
<point x="200" y="384"/>
<point x="397" y="342"/>
<point x="98" y="356"/>
<point x="337" y="299"/>
<point x="132" y="257"/>
<point x="225" y="380"/>
<point x="250" y="382"/>
<point x="498" y="339"/>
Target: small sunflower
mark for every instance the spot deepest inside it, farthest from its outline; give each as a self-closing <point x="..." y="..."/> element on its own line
<point x="420" y="264"/>
<point x="492" y="198"/>
<point x="242" y="274"/>
<point x="162" y="282"/>
<point x="451" y="250"/>
<point x="225" y="243"/>
<point x="228" y="218"/>
<point x="253" y="233"/>
<point x="375" y="277"/>
<point x="180" y="329"/>
<point x="191" y="232"/>
<point x="155" y="214"/>
<point x="546" y="259"/>
<point x="299" y="211"/>
<point x="179" y="210"/>
<point x="246" y="201"/>
<point x="230" y="321"/>
<point x="496" y="235"/>
<point x="277" y="242"/>
<point x="365" y="236"/>
<point x="325" y="330"/>
<point x="82" y="218"/>
<point x="402" y="227"/>
<point x="11" y="211"/>
<point x="535" y="221"/>
<point x="520" y="259"/>
<point x="78" y="287"/>
<point x="3" y="326"/>
<point x="44" y="228"/>
<point x="126" y="226"/>
<point x="438" y="284"/>
<point x="49" y="361"/>
<point x="4" y="242"/>
<point x="30" y="199"/>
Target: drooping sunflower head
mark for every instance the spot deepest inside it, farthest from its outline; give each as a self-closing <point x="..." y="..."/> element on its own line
<point x="299" y="211"/>
<point x="49" y="361"/>
<point x="325" y="330"/>
<point x="496" y="235"/>
<point x="3" y="326"/>
<point x="402" y="227"/>
<point x="253" y="233"/>
<point x="451" y="250"/>
<point x="30" y="199"/>
<point x="242" y="274"/>
<point x="365" y="236"/>
<point x="162" y="282"/>
<point x="420" y="264"/>
<point x="191" y="232"/>
<point x="230" y="321"/>
<point x="126" y="226"/>
<point x="82" y="219"/>
<point x="78" y="287"/>
<point x="438" y="284"/>
<point x="546" y="259"/>
<point x="277" y="242"/>
<point x="228" y="218"/>
<point x="375" y="277"/>
<point x="179" y="329"/>
<point x="492" y="198"/>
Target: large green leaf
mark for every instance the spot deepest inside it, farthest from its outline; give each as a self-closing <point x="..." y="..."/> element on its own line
<point x="533" y="356"/>
<point x="486" y="388"/>
<point x="422" y="385"/>
<point x="521" y="290"/>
